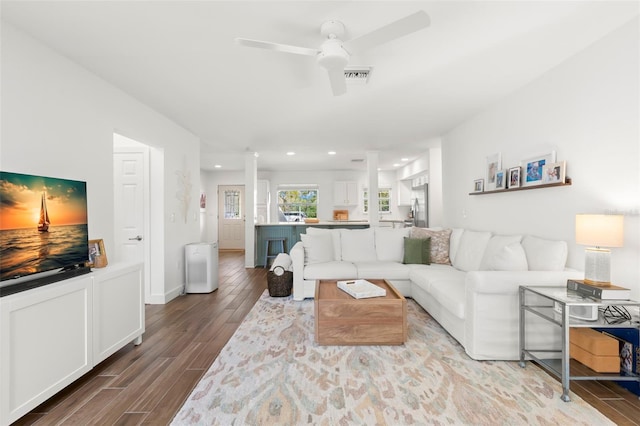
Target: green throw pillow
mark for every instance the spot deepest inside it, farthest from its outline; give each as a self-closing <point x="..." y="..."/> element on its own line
<point x="417" y="251"/>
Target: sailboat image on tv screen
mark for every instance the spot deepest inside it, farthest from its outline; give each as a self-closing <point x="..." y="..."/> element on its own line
<point x="43" y="222"/>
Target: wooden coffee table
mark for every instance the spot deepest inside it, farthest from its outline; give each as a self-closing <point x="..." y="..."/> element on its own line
<point x="344" y="320"/>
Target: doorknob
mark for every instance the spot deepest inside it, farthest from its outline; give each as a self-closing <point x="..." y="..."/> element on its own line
<point x="137" y="238"/>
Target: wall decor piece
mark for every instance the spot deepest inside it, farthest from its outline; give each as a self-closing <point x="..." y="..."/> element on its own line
<point x="184" y="189"/>
<point x="554" y="172"/>
<point x="97" y="254"/>
<point x="478" y="185"/>
<point x="514" y="177"/>
<point x="501" y="179"/>
<point x="532" y="168"/>
<point x="494" y="163"/>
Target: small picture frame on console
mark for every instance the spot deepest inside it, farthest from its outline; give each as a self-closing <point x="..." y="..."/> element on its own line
<point x="501" y="179"/>
<point x="514" y="177"/>
<point x="494" y="163"/>
<point x="532" y="168"/>
<point x="97" y="254"/>
<point x="554" y="172"/>
<point x="478" y="185"/>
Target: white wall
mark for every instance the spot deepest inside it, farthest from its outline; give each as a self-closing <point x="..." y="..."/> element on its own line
<point x="58" y="120"/>
<point x="587" y="110"/>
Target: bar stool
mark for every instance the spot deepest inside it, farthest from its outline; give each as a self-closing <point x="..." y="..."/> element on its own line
<point x="279" y="243"/>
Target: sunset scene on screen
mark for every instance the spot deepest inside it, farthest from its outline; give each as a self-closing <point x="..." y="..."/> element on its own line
<point x="21" y="195"/>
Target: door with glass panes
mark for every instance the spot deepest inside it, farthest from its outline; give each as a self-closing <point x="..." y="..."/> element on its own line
<point x="231" y="217"/>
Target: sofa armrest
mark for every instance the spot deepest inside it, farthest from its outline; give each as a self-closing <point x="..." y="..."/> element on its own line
<point x="297" y="263"/>
<point x="508" y="282"/>
<point x="492" y="312"/>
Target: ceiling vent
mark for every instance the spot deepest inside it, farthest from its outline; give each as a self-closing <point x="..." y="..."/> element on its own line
<point x="357" y="74"/>
<point x="358" y="160"/>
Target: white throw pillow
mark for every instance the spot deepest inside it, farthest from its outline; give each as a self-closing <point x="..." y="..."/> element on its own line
<point x="454" y="241"/>
<point x="494" y="248"/>
<point x="358" y="245"/>
<point x="545" y="255"/>
<point x="509" y="258"/>
<point x="335" y="235"/>
<point x="317" y="248"/>
<point x="390" y="243"/>
<point x="471" y="250"/>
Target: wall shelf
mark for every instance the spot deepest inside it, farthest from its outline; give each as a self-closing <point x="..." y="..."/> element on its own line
<point x="566" y="182"/>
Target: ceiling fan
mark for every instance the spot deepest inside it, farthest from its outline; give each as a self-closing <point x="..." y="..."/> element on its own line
<point x="333" y="54"/>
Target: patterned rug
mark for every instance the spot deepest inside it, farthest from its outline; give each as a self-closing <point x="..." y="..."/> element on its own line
<point x="272" y="372"/>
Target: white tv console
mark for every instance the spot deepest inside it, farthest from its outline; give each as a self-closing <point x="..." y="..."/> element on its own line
<point x="52" y="335"/>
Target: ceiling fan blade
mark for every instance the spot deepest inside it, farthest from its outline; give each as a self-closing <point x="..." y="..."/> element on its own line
<point x="338" y="83"/>
<point x="277" y="47"/>
<point x="392" y="31"/>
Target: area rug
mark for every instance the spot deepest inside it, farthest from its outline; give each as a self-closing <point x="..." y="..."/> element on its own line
<point x="272" y="372"/>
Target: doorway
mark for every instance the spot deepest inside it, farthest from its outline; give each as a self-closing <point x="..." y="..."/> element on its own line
<point x="133" y="216"/>
<point x="231" y="217"/>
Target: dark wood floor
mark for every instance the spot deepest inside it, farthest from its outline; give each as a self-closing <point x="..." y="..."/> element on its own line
<point x="148" y="384"/>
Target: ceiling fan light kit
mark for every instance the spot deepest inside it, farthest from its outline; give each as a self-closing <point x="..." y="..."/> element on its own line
<point x="334" y="54"/>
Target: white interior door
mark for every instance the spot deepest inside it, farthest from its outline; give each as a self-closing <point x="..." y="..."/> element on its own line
<point x="231" y="217"/>
<point x="130" y="201"/>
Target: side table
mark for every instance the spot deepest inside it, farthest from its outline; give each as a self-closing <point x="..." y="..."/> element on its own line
<point x="565" y="299"/>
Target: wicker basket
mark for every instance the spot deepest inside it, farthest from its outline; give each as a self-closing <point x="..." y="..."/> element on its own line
<point x="280" y="285"/>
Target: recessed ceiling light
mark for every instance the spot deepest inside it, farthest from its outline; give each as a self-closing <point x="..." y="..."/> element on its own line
<point x="331" y="153"/>
<point x="217" y="166"/>
<point x="291" y="153"/>
<point x="404" y="159"/>
<point x="395" y="164"/>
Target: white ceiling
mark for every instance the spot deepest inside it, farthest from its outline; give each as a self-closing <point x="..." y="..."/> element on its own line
<point x="179" y="57"/>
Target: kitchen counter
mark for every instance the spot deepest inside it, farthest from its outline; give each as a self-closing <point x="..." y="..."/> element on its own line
<point x="334" y="223"/>
<point x="291" y="231"/>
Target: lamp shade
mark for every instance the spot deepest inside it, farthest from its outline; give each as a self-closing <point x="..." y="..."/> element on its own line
<point x="600" y="230"/>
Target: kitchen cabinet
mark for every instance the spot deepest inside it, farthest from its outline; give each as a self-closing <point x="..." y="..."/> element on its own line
<point x="345" y="193"/>
<point x="263" y="194"/>
<point x="263" y="201"/>
<point x="404" y="193"/>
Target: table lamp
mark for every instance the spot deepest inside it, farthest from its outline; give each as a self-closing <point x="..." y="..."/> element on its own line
<point x="599" y="231"/>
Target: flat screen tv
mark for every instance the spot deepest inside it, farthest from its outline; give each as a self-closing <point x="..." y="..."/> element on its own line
<point x="43" y="230"/>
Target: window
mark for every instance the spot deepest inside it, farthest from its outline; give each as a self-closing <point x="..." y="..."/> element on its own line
<point x="384" y="200"/>
<point x="232" y="204"/>
<point x="296" y="204"/>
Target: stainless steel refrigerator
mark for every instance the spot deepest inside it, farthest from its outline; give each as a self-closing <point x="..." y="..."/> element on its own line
<point x="420" y="208"/>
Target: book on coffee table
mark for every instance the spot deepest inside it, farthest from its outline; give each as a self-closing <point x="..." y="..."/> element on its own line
<point x="361" y="289"/>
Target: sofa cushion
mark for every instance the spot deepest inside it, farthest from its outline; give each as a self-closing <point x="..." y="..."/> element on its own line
<point x="504" y="253"/>
<point x="451" y="295"/>
<point x="382" y="269"/>
<point x="335" y="270"/>
<point x="335" y="235"/>
<point x="358" y="245"/>
<point x="545" y="255"/>
<point x="471" y="250"/>
<point x="317" y="248"/>
<point x="439" y="243"/>
<point x="423" y="276"/>
<point x="390" y="243"/>
<point x="417" y="251"/>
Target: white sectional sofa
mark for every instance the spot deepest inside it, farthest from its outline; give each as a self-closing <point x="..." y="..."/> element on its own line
<point x="470" y="287"/>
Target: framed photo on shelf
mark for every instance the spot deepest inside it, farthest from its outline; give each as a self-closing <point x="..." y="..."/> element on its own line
<point x="478" y="185"/>
<point x="514" y="177"/>
<point x="501" y="179"/>
<point x="494" y="163"/>
<point x="97" y="254"/>
<point x="554" y="172"/>
<point x="532" y="168"/>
